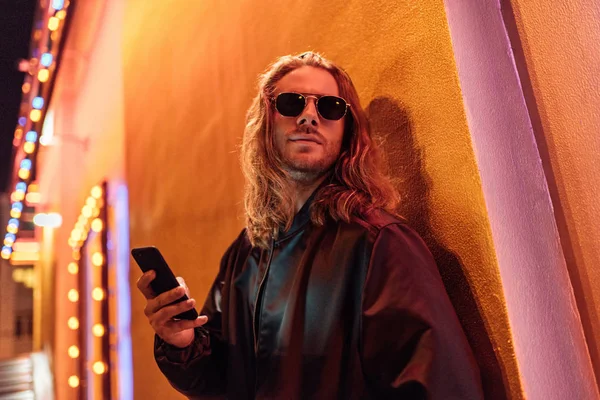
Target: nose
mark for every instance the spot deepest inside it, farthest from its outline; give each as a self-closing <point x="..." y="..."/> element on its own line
<point x="309" y="116"/>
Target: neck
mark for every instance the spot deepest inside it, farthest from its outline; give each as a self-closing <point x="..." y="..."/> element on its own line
<point x="304" y="190"/>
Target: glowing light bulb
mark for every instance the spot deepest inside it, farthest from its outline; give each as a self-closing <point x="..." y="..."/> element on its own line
<point x="29" y="147"/>
<point x="97" y="259"/>
<point x="37" y="102"/>
<point x="58" y="4"/>
<point x="91" y="201"/>
<point x="73" y="323"/>
<point x="97" y="294"/>
<point x="97" y="225"/>
<point x="99" y="367"/>
<point x="86" y="211"/>
<point x="53" y="23"/>
<point x="14" y="213"/>
<point x="73" y="351"/>
<point x="31" y="136"/>
<point x="46" y="59"/>
<point x="25" y="164"/>
<point x="24" y="173"/>
<point x="76" y="234"/>
<point x="43" y="75"/>
<point x="73" y="381"/>
<point x="96" y="192"/>
<point x="35" y="115"/>
<point x="73" y="295"/>
<point x="12" y="229"/>
<point x="98" y="330"/>
<point x="73" y="268"/>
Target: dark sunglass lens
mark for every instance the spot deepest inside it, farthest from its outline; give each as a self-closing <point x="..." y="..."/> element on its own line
<point x="332" y="107"/>
<point x="289" y="104"/>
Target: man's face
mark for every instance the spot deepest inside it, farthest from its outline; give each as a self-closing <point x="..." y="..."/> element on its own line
<point x="308" y="144"/>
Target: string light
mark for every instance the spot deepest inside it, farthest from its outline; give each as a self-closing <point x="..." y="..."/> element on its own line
<point x="43" y="75"/>
<point x="58" y="4"/>
<point x="73" y="268"/>
<point x="53" y="23"/>
<point x="96" y="192"/>
<point x="73" y="351"/>
<point x="98" y="294"/>
<point x="33" y="95"/>
<point x="73" y="323"/>
<point x="97" y="259"/>
<point x="97" y="225"/>
<point x="35" y="115"/>
<point x="46" y="60"/>
<point x="23" y="173"/>
<point x="28" y="147"/>
<point x="86" y="211"/>
<point x="73" y="381"/>
<point x="85" y="223"/>
<point x="6" y="252"/>
<point x="37" y="103"/>
<point x="98" y="330"/>
<point x="99" y="367"/>
<point x="31" y="136"/>
<point x="73" y="295"/>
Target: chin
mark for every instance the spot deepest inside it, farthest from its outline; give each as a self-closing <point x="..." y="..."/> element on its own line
<point x="307" y="170"/>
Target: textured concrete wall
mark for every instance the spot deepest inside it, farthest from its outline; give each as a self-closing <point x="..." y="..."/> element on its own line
<point x="190" y="71"/>
<point x="557" y="48"/>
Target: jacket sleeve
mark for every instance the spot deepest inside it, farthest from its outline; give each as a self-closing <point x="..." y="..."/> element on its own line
<point x="201" y="367"/>
<point x="412" y="345"/>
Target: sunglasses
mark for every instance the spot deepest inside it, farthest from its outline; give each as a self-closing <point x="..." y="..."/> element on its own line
<point x="291" y="104"/>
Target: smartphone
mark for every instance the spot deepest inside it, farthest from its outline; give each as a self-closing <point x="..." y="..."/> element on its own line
<point x="149" y="258"/>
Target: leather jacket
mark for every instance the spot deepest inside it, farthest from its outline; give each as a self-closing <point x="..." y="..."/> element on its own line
<point x="339" y="311"/>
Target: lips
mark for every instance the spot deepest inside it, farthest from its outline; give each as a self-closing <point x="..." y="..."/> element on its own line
<point x="304" y="138"/>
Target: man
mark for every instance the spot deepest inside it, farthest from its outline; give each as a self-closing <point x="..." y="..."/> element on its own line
<point x="324" y="294"/>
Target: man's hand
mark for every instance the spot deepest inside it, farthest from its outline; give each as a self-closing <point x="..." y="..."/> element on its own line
<point x="179" y="333"/>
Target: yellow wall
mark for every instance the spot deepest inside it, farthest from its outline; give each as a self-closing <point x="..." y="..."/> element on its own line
<point x="560" y="48"/>
<point x="190" y="70"/>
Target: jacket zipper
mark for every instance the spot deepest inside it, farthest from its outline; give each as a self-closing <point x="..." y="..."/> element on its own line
<point x="258" y="302"/>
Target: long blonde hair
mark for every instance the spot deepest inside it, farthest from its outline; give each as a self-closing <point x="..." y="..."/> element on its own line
<point x="358" y="183"/>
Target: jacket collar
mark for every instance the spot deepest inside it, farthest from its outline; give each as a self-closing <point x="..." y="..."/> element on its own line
<point x="302" y="217"/>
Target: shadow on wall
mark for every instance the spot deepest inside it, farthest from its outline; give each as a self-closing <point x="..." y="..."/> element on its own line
<point x="390" y="120"/>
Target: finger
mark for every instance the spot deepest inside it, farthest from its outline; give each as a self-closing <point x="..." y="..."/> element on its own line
<point x="143" y="284"/>
<point x="182" y="283"/>
<point x="166" y="313"/>
<point x="182" y="325"/>
<point x="164" y="299"/>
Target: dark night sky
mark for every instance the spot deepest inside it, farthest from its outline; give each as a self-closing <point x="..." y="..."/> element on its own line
<point x="16" y="20"/>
